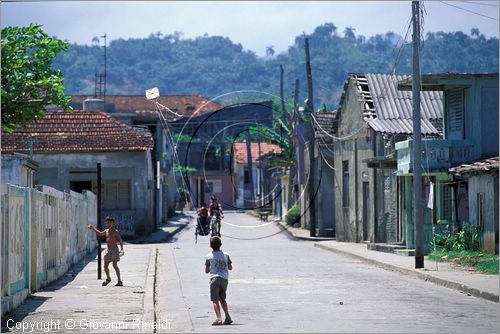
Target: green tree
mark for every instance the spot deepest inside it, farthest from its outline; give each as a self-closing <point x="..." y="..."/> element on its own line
<point x="28" y="82"/>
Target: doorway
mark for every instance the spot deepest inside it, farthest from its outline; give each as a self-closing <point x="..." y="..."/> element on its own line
<point x="366" y="211"/>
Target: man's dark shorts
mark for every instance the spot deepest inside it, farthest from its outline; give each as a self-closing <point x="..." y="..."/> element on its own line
<point x="218" y="287"/>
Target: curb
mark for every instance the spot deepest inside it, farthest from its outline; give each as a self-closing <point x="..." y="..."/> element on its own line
<point x="149" y="289"/>
<point x="290" y="233"/>
<point x="298" y="237"/>
<point x="177" y="229"/>
<point x="423" y="276"/>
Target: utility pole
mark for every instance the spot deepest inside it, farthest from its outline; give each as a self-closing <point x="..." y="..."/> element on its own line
<point x="105" y="64"/>
<point x="310" y="109"/>
<point x="250" y="169"/>
<point x="282" y="97"/>
<point x="294" y="170"/>
<point x="418" y="216"/>
<point x="99" y="219"/>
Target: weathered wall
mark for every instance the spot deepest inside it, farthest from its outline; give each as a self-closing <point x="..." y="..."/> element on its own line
<point x="488" y="185"/>
<point x="353" y="150"/>
<point x="58" y="170"/>
<point x="16" y="171"/>
<point x="325" y="201"/>
<point x="43" y="234"/>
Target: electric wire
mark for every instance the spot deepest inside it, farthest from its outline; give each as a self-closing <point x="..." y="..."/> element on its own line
<point x="470" y="11"/>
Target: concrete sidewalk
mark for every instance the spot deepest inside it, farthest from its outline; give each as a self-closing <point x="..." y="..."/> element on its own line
<point x="445" y="274"/>
<point x="166" y="231"/>
<point x="78" y="302"/>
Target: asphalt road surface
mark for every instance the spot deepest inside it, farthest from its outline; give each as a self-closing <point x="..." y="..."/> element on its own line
<point x="281" y="285"/>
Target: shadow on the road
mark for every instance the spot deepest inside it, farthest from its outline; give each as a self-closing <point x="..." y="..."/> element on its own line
<point x="71" y="273"/>
<point x="30" y="305"/>
<point x="33" y="302"/>
<point x="164" y="233"/>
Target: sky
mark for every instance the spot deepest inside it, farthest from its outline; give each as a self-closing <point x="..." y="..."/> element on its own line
<point x="253" y="24"/>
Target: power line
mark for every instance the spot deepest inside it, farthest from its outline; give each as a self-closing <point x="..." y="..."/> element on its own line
<point x="481" y="4"/>
<point x="470" y="11"/>
<point x="401" y="48"/>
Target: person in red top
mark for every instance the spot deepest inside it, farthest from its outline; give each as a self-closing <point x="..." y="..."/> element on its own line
<point x="203" y="211"/>
<point x="215" y="211"/>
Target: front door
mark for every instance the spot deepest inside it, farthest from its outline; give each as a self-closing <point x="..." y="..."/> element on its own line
<point x="366" y="211"/>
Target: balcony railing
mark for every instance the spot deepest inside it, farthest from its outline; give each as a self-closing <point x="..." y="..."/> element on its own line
<point x="437" y="154"/>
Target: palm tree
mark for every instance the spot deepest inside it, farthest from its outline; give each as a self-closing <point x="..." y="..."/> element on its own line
<point x="270" y="50"/>
<point x="349" y="33"/>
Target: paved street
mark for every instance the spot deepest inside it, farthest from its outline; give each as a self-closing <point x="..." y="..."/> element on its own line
<point x="280" y="285"/>
<point x="277" y="285"/>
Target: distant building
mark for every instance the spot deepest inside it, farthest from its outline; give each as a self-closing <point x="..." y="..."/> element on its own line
<point x="18" y="169"/>
<point x="157" y="116"/>
<point x="463" y="165"/>
<point x="261" y="179"/>
<point x="206" y="149"/>
<point x="373" y="117"/>
<point x="68" y="145"/>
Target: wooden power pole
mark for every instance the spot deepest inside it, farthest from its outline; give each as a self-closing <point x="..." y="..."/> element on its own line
<point x="312" y="169"/>
<point x="418" y="216"/>
<point x="99" y="219"/>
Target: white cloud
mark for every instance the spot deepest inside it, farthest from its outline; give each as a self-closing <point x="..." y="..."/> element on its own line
<point x="254" y="24"/>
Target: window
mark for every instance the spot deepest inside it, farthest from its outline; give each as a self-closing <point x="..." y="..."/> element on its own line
<point x="80" y="186"/>
<point x="447" y="202"/>
<point x="457" y="101"/>
<point x="246" y="177"/>
<point x="345" y="183"/>
<point x="115" y="194"/>
<point x="213" y="187"/>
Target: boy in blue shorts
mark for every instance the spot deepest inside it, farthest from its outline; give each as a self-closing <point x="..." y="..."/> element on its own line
<point x="217" y="264"/>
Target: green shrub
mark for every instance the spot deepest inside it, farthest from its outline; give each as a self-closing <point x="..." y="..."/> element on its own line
<point x="467" y="239"/>
<point x="293" y="215"/>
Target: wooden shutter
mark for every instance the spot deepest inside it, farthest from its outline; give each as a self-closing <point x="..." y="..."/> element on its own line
<point x="455" y="114"/>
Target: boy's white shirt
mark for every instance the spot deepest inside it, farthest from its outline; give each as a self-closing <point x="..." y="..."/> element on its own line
<point x="219" y="262"/>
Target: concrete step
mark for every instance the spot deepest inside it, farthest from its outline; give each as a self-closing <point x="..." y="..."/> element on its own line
<point x="387" y="248"/>
<point x="405" y="252"/>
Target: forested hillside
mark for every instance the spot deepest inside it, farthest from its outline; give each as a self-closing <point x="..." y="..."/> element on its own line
<point x="214" y="65"/>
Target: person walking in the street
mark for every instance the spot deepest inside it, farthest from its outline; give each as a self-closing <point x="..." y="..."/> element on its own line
<point x="217" y="264"/>
<point x="113" y="237"/>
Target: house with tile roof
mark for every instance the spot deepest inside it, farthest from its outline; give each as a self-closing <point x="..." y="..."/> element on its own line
<point x="262" y="186"/>
<point x="157" y="116"/>
<point x="468" y="153"/>
<point x="372" y="117"/>
<point x="67" y="147"/>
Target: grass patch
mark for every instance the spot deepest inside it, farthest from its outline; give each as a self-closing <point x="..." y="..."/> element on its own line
<point x="481" y="260"/>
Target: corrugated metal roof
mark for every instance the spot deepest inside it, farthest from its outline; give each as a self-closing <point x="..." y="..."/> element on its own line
<point x="401" y="126"/>
<point x="478" y="167"/>
<point x="393" y="108"/>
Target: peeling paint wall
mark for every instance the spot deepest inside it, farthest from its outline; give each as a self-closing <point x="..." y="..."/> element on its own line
<point x="485" y="186"/>
<point x="44" y="232"/>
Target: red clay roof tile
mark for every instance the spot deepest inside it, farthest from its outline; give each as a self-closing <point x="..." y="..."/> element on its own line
<point x="77" y="131"/>
<point x="185" y="105"/>
<point x="240" y="151"/>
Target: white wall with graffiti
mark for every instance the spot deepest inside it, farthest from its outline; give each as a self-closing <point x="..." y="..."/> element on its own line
<point x="43" y="233"/>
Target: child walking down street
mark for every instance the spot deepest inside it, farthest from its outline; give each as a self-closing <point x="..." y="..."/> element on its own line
<point x="217" y="265"/>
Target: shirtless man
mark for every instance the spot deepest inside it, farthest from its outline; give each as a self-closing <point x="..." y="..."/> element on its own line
<point x="113" y="237"/>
